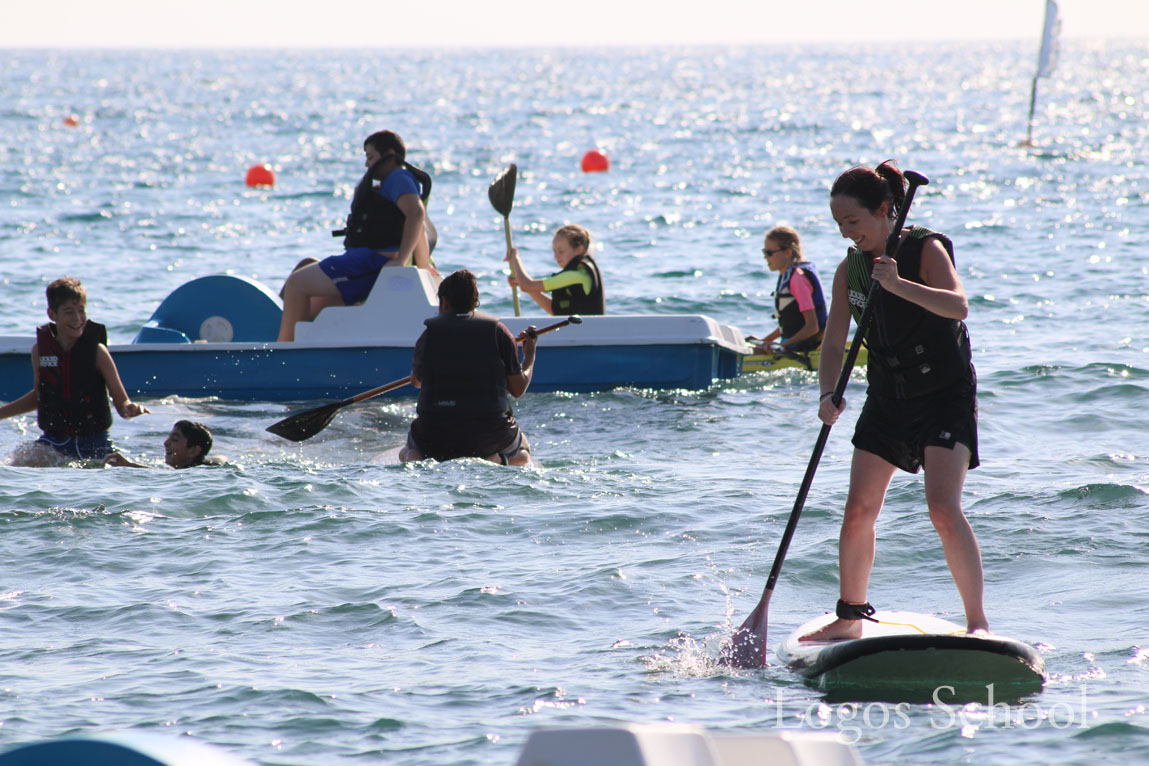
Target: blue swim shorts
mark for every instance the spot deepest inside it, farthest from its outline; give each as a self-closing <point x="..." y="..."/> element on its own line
<point x="90" y="447"/>
<point x="354" y="272"/>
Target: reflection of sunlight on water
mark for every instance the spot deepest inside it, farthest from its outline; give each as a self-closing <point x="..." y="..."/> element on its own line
<point x="558" y="702"/>
<point x="685" y="655"/>
<point x="140" y="518"/>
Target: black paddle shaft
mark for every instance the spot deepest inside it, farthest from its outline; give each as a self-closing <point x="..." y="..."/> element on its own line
<point x="915" y="180"/>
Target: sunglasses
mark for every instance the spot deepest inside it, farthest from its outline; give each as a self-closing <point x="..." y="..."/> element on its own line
<point x="768" y="252"/>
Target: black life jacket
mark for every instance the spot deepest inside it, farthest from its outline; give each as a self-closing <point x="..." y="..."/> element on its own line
<point x="572" y="300"/>
<point x="73" y="397"/>
<point x="913" y="352"/>
<point x="463" y="373"/>
<point x="377" y="222"/>
<point x="790" y="319"/>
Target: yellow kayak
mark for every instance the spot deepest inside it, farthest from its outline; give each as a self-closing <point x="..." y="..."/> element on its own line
<point x="804" y="360"/>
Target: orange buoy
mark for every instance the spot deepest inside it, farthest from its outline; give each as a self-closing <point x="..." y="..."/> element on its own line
<point x="595" y="161"/>
<point x="72" y="121"/>
<point x="260" y="175"/>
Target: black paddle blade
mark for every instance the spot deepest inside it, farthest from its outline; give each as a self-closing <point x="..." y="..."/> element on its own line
<point x="303" y="425"/>
<point x="502" y="191"/>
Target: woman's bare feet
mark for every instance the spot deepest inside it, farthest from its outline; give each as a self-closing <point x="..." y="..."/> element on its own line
<point x="835" y="631"/>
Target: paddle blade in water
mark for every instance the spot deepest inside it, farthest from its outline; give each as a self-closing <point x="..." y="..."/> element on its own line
<point x="303" y="425"/>
<point x="502" y="191"/>
<point x="747" y="647"/>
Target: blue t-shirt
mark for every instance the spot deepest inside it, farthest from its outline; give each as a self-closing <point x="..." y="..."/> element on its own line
<point x="397" y="183"/>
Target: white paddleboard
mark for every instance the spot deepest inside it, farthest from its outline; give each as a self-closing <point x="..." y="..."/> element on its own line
<point x="913" y="653"/>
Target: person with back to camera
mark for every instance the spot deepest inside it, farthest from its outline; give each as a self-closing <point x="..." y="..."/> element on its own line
<point x="921" y="403"/>
<point x="387" y="226"/>
<point x="467" y="368"/>
<point x="799" y="303"/>
<point x="73" y="373"/>
<point x="185" y="447"/>
<point x="577" y="289"/>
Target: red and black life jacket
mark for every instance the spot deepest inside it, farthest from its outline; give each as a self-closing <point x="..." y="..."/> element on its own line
<point x="73" y="397"/>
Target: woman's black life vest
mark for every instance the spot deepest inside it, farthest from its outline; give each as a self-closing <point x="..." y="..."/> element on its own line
<point x="790" y="319"/>
<point x="572" y="300"/>
<point x="72" y="395"/>
<point x="463" y="372"/>
<point x="913" y="352"/>
<point x="377" y="222"/>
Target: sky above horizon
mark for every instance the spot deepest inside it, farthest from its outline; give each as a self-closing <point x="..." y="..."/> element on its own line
<point x="530" y="23"/>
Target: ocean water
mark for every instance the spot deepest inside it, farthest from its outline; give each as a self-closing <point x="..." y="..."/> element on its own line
<point x="306" y="604"/>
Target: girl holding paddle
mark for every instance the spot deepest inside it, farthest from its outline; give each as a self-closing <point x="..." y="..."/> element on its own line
<point x="921" y="404"/>
<point x="799" y="303"/>
<point x="577" y="289"/>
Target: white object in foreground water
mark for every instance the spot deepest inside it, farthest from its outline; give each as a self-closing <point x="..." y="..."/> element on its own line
<point x="669" y="745"/>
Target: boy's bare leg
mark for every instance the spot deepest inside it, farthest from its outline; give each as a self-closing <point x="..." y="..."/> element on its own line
<point x="301" y="287"/>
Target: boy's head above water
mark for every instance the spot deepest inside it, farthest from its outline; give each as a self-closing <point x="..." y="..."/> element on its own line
<point x="187" y="445"/>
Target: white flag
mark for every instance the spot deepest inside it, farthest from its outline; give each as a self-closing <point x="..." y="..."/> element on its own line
<point x="1047" y="59"/>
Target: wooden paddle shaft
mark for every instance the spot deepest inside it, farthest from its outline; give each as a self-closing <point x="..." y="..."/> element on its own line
<point x="380" y="390"/>
<point x="514" y="288"/>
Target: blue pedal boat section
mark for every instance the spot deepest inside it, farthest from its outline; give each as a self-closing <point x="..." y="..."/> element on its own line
<point x="215" y="337"/>
<point x="121" y="749"/>
<point x="219" y="308"/>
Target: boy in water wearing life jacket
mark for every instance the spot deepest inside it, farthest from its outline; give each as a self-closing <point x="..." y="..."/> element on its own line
<point x="799" y="302"/>
<point x="387" y="226"/>
<point x="577" y="289"/>
<point x="73" y="374"/>
<point x="186" y="447"/>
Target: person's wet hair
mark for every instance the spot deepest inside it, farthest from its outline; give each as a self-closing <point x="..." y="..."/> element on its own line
<point x="63" y="290"/>
<point x="386" y="141"/>
<point x="196" y="435"/>
<point x="787" y="238"/>
<point x="873" y="186"/>
<point x="460" y="291"/>
<point x="576" y="236"/>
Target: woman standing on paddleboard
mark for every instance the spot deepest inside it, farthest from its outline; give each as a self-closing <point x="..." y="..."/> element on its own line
<point x="921" y="404"/>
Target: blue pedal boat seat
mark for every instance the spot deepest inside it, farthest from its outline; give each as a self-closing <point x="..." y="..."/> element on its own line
<point x="220" y="308"/>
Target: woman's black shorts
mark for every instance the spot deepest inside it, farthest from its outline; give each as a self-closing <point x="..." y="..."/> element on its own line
<point x="899" y="430"/>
